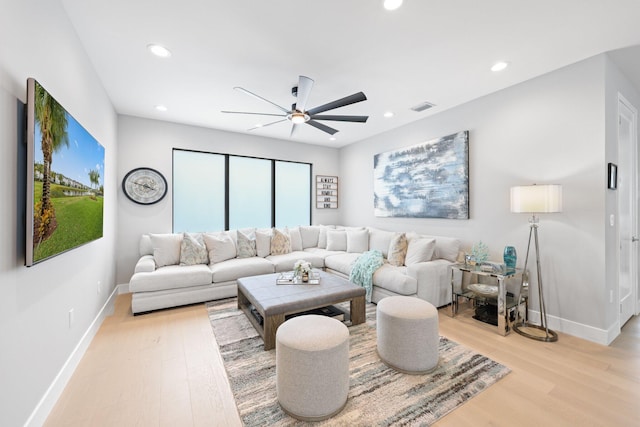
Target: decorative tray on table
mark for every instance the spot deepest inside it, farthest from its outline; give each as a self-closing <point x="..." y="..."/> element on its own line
<point x="289" y="278"/>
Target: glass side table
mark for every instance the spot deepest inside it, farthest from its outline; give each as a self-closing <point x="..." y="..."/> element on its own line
<point x="507" y="305"/>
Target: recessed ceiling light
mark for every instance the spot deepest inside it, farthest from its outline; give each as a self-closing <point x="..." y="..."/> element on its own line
<point x="333" y="138"/>
<point x="161" y="107"/>
<point x="392" y="4"/>
<point x="159" y="51"/>
<point x="258" y="125"/>
<point x="388" y="114"/>
<point x="499" y="66"/>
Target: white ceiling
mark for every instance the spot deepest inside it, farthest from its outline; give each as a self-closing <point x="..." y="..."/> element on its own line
<point x="428" y="50"/>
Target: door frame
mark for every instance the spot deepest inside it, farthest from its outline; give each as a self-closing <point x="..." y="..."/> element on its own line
<point x="635" y="286"/>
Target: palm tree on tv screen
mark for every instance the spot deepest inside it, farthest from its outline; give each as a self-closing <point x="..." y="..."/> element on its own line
<point x="52" y="119"/>
<point x="94" y="177"/>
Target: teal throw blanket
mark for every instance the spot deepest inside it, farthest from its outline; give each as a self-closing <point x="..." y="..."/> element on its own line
<point x="363" y="269"/>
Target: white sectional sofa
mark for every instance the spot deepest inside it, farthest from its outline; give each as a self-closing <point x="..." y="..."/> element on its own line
<point x="186" y="268"/>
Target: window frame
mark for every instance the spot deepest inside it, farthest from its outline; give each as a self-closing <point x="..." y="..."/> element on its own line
<point x="227" y="156"/>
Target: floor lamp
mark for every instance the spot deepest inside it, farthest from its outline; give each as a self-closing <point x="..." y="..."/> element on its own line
<point x="536" y="199"/>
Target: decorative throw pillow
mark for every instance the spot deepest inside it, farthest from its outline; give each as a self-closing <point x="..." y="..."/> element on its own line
<point x="336" y="240"/>
<point x="193" y="250"/>
<point x="263" y="242"/>
<point x="419" y="249"/>
<point x="280" y="242"/>
<point x="166" y="249"/>
<point x="397" y="249"/>
<point x="296" y="238"/>
<point x="246" y="245"/>
<point x="221" y="247"/>
<point x="322" y="237"/>
<point x="357" y="241"/>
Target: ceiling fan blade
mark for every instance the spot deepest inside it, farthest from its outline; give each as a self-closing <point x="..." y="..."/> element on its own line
<point x="261" y="98"/>
<point x="357" y="119"/>
<point x="322" y="127"/>
<point x="256" y="114"/>
<point x="347" y="100"/>
<point x="293" y="129"/>
<point x="304" y="90"/>
<point x="268" y="124"/>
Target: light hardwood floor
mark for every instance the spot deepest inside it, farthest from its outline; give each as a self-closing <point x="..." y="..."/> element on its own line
<point x="163" y="369"/>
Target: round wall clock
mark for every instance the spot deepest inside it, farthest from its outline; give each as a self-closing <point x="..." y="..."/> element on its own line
<point x="145" y="186"/>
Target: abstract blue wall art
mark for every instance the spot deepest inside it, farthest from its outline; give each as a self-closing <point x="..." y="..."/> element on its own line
<point x="427" y="180"/>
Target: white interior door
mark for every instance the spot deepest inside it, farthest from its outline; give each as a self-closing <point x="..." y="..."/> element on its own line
<point x="627" y="209"/>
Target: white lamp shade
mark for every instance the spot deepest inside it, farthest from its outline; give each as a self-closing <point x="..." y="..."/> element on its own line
<point x="536" y="198"/>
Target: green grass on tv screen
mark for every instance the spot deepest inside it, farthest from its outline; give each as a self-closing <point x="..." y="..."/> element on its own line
<point x="79" y="221"/>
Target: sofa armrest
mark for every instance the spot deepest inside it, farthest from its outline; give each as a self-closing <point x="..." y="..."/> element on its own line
<point x="434" y="280"/>
<point x="146" y="264"/>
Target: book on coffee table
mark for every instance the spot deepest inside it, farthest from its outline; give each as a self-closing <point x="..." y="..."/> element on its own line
<point x="330" y="311"/>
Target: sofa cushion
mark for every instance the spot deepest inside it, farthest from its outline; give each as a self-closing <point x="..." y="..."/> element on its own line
<point x="380" y="240"/>
<point x="357" y="240"/>
<point x="171" y="277"/>
<point x="341" y="262"/>
<point x="395" y="280"/>
<point x="296" y="238"/>
<point x="336" y="240"/>
<point x="145" y="247"/>
<point x="322" y="253"/>
<point x="233" y="269"/>
<point x="280" y="242"/>
<point x="166" y="248"/>
<point x="397" y="249"/>
<point x="193" y="249"/>
<point x="285" y="262"/>
<point x="309" y="234"/>
<point x="446" y="247"/>
<point x="246" y="247"/>
<point x="263" y="242"/>
<point x="220" y="246"/>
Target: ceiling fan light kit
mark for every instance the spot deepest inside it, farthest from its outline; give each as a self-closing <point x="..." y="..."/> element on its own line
<point x="298" y="114"/>
<point x="298" y="117"/>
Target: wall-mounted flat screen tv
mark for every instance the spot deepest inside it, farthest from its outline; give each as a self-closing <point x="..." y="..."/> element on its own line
<point x="65" y="179"/>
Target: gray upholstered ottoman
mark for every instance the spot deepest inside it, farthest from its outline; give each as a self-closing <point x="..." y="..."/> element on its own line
<point x="312" y="367"/>
<point x="408" y="334"/>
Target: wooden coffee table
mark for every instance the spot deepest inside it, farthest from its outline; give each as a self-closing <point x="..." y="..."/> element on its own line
<point x="273" y="302"/>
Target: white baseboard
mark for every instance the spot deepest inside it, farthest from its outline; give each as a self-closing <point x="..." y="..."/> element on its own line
<point x="590" y="333"/>
<point x="122" y="288"/>
<point x="53" y="393"/>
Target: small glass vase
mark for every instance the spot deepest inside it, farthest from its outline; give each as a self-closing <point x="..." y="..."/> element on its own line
<point x="510" y="257"/>
<point x="305" y="277"/>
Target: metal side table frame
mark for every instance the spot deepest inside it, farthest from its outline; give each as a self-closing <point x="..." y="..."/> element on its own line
<point x="508" y="306"/>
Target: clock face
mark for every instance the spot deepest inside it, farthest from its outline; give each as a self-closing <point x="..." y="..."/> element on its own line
<point x="144" y="185"/>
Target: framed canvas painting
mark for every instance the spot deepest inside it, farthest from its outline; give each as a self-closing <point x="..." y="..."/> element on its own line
<point x="427" y="180"/>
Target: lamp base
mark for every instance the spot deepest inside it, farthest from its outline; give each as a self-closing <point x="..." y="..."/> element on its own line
<point x="535" y="332"/>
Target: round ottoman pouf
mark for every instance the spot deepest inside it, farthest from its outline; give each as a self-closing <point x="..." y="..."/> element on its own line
<point x="408" y="336"/>
<point x="312" y="367"/>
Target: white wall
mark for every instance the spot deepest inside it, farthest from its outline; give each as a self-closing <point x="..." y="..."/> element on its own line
<point x="144" y="142"/>
<point x="36" y="340"/>
<point x="547" y="130"/>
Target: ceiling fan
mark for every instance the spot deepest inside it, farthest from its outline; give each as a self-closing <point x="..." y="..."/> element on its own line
<point x="298" y="114"/>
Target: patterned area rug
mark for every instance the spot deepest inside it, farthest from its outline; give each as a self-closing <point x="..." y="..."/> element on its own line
<point x="378" y="395"/>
